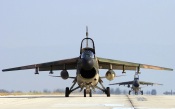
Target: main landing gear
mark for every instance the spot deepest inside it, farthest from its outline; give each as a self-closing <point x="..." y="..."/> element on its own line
<point x="129" y="92"/>
<point x="105" y="90"/>
<point x="108" y="92"/>
<point x="68" y="91"/>
<point x="87" y="91"/>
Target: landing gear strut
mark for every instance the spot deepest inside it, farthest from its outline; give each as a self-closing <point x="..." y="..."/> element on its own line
<point x="89" y="91"/>
<point x="68" y="91"/>
<point x="105" y="90"/>
<point x="102" y="88"/>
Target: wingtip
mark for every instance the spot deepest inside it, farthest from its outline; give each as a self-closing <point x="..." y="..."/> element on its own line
<point x="3" y="70"/>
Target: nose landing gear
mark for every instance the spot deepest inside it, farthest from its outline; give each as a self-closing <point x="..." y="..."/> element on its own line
<point x="90" y="93"/>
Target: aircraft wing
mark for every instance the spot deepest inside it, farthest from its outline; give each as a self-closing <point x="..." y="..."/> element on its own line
<point x="122" y="83"/>
<point x="148" y="83"/>
<point x="69" y="64"/>
<point x="118" y="65"/>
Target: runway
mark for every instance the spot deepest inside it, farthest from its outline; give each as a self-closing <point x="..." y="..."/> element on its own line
<point x="80" y="102"/>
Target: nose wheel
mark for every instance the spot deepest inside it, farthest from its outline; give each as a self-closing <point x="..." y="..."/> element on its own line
<point x="90" y="93"/>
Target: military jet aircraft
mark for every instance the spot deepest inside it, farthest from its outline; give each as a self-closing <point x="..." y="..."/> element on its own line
<point x="87" y="67"/>
<point x="135" y="84"/>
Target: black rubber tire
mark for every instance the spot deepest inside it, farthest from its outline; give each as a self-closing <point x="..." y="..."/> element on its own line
<point x="90" y="93"/>
<point x="67" y="92"/>
<point x="84" y="92"/>
<point x="142" y="92"/>
<point x="108" y="92"/>
<point x="129" y="92"/>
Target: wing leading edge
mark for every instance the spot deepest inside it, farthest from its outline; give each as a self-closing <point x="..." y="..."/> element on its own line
<point x="131" y="82"/>
<point x="118" y="65"/>
<point x="68" y="64"/>
<point x="71" y="64"/>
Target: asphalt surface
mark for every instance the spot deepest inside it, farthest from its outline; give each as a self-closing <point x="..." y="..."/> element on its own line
<point x="80" y="102"/>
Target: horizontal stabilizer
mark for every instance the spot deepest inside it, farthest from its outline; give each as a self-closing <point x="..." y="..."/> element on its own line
<point x="60" y="76"/>
<point x="115" y="76"/>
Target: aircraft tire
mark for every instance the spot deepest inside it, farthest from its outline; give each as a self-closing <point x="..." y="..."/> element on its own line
<point x="108" y="92"/>
<point x="142" y="92"/>
<point x="129" y="92"/>
<point x="90" y="93"/>
<point x="84" y="92"/>
<point x="67" y="92"/>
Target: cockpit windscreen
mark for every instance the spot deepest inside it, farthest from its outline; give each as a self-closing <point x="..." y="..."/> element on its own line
<point x="87" y="54"/>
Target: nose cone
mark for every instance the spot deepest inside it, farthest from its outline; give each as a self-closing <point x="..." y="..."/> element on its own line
<point x="87" y="63"/>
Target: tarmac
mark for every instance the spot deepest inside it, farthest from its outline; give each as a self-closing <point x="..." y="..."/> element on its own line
<point x="80" y="102"/>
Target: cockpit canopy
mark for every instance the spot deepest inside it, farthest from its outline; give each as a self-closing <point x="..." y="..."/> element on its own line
<point x="87" y="54"/>
<point x="87" y="44"/>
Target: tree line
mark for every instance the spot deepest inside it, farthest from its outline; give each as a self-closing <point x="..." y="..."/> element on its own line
<point x="116" y="91"/>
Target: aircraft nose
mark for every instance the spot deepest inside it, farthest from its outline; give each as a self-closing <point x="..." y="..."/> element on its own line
<point x="136" y="84"/>
<point x="87" y="64"/>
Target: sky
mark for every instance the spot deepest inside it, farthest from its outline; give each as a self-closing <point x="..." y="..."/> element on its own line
<point x="37" y="31"/>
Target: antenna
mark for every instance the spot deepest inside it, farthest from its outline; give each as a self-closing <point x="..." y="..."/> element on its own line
<point x="86" y="36"/>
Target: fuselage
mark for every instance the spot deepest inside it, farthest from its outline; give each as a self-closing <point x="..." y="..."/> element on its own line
<point x="135" y="85"/>
<point x="87" y="70"/>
